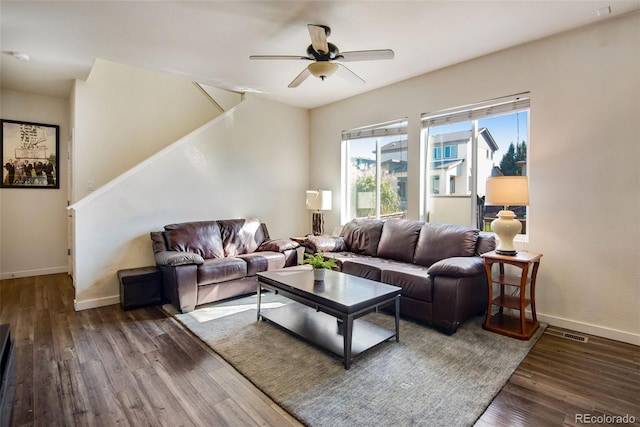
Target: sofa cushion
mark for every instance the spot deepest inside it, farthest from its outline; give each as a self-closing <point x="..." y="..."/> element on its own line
<point x="278" y="245"/>
<point x="485" y="244"/>
<point x="364" y="267"/>
<point x="173" y="258"/>
<point x="458" y="267"/>
<point x="440" y="241"/>
<point x="218" y="270"/>
<point x="202" y="238"/>
<point x="325" y="244"/>
<point x="363" y="235"/>
<point x="241" y="236"/>
<point x="413" y="279"/>
<point x="157" y="241"/>
<point x="263" y="261"/>
<point x="398" y="239"/>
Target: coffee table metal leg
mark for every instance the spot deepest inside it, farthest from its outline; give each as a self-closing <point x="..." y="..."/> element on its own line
<point x="259" y="301"/>
<point x="398" y="318"/>
<point x="347" y="335"/>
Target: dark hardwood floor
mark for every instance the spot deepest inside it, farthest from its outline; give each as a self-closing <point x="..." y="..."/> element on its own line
<point x="106" y="367"/>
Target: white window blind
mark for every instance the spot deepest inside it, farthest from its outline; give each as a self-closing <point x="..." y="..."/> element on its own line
<point x="396" y="127"/>
<point x="478" y="111"/>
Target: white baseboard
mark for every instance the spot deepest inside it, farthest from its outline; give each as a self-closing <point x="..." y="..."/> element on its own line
<point x="587" y="328"/>
<point x="30" y="273"/>
<point x="95" y="303"/>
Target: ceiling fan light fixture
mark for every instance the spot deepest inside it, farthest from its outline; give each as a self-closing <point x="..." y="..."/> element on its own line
<point x="323" y="69"/>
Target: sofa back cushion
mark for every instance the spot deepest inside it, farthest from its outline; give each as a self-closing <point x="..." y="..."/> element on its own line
<point x="202" y="238"/>
<point x="440" y="241"/>
<point x="485" y="244"/>
<point x="157" y="241"/>
<point x="363" y="235"/>
<point x="242" y="236"/>
<point x="398" y="239"/>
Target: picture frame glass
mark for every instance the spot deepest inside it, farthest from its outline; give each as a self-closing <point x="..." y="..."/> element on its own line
<point x="30" y="155"/>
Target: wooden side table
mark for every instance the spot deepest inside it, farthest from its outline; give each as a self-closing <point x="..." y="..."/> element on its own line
<point x="516" y="327"/>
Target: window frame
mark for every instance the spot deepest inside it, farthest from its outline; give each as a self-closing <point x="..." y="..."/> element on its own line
<point x="472" y="113"/>
<point x="397" y="128"/>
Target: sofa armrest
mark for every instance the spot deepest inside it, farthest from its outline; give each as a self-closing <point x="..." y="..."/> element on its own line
<point x="175" y="258"/>
<point x="325" y="244"/>
<point x="278" y="245"/>
<point x="180" y="286"/>
<point x="457" y="267"/>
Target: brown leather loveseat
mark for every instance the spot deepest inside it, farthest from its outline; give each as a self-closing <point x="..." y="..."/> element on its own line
<point x="207" y="261"/>
<point x="438" y="266"/>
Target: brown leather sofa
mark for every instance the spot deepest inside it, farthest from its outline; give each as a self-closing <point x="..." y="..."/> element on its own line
<point x="208" y="261"/>
<point x="438" y="266"/>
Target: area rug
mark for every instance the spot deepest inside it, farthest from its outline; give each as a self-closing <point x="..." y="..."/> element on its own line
<point x="426" y="379"/>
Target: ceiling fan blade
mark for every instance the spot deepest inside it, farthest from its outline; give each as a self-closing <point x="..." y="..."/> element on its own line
<point x="300" y="78"/>
<point x="349" y="75"/>
<point x="294" y="57"/>
<point x="318" y="36"/>
<point x="365" y="55"/>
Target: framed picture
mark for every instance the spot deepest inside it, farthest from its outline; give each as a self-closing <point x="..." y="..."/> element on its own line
<point x="29" y="155"/>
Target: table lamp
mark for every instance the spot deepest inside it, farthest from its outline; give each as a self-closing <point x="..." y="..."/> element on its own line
<point x="318" y="201"/>
<point x="506" y="191"/>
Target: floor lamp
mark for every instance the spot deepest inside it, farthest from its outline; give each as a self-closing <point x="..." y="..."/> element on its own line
<point x="507" y="191"/>
<point x="318" y="201"/>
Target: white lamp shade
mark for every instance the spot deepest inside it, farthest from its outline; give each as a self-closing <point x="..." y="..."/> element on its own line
<point x="319" y="200"/>
<point x="507" y="191"/>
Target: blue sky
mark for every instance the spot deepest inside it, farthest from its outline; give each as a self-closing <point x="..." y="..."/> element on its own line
<point x="504" y="130"/>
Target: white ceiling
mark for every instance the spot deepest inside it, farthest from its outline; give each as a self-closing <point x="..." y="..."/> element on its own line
<point x="210" y="41"/>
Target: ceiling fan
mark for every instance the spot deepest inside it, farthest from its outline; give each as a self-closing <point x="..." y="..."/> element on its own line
<point x="323" y="54"/>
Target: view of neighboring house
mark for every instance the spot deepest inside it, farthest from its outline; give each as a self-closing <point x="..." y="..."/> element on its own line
<point x="449" y="169"/>
<point x="450" y="162"/>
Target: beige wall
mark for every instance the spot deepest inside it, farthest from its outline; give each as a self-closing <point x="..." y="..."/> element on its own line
<point x="33" y="231"/>
<point x="585" y="152"/>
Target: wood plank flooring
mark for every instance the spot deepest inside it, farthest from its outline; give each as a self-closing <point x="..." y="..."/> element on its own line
<point x="106" y="367"/>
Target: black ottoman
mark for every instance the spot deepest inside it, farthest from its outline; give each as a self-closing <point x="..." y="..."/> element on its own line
<point x="139" y="287"/>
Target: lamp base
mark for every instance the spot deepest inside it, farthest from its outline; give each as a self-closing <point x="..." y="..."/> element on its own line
<point x="506" y="228"/>
<point x="506" y="253"/>
<point x="317" y="223"/>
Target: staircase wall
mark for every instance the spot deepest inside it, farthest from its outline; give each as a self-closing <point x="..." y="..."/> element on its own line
<point x="252" y="161"/>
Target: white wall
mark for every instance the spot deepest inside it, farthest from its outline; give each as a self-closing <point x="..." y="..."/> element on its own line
<point x="585" y="152"/>
<point x="250" y="162"/>
<point x="33" y="231"/>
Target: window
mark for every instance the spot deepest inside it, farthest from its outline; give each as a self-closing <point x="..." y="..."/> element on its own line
<point x="466" y="146"/>
<point x="450" y="151"/>
<point x="375" y="171"/>
<point x="435" y="184"/>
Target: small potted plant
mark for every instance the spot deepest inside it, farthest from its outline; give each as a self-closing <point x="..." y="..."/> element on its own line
<point x="319" y="264"/>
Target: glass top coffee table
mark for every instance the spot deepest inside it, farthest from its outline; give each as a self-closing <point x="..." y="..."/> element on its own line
<point x="317" y="305"/>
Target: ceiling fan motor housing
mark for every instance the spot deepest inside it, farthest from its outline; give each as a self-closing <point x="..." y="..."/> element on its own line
<point x="323" y="56"/>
